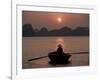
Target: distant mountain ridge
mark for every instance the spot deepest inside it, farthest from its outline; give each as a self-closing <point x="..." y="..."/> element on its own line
<point x="28" y="31"/>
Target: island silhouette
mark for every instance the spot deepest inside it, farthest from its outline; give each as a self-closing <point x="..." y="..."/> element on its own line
<point x="29" y="31"/>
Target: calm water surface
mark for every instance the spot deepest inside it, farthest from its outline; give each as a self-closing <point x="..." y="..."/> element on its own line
<point x="33" y="47"/>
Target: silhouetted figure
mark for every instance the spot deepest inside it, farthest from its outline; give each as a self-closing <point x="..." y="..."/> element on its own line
<point x="60" y="49"/>
<point x="59" y="57"/>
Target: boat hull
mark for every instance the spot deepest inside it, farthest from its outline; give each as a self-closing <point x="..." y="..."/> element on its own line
<point x="56" y="58"/>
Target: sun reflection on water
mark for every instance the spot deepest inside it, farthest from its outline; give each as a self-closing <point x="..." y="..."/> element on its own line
<point x="60" y="40"/>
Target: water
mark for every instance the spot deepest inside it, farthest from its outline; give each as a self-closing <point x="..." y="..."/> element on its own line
<point x="33" y="47"/>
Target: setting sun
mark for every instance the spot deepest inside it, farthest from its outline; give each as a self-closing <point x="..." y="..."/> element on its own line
<point x="59" y="19"/>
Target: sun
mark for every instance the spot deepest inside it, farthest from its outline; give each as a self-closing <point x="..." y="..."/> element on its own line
<point x="59" y="19"/>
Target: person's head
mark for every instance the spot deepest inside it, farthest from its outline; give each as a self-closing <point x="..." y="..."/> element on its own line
<point x="59" y="45"/>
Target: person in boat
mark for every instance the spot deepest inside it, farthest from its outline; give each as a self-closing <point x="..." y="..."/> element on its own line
<point x="60" y="49"/>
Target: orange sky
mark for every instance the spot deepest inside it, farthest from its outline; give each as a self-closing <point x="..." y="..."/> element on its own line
<point x="50" y="19"/>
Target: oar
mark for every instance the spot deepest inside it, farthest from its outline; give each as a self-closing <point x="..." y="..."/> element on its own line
<point x="37" y="58"/>
<point x="79" y="53"/>
<point x="47" y="56"/>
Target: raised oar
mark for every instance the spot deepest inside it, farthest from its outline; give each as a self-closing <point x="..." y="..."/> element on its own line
<point x="37" y="58"/>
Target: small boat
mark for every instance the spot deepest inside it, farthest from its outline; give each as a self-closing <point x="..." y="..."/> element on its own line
<point x="59" y="58"/>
